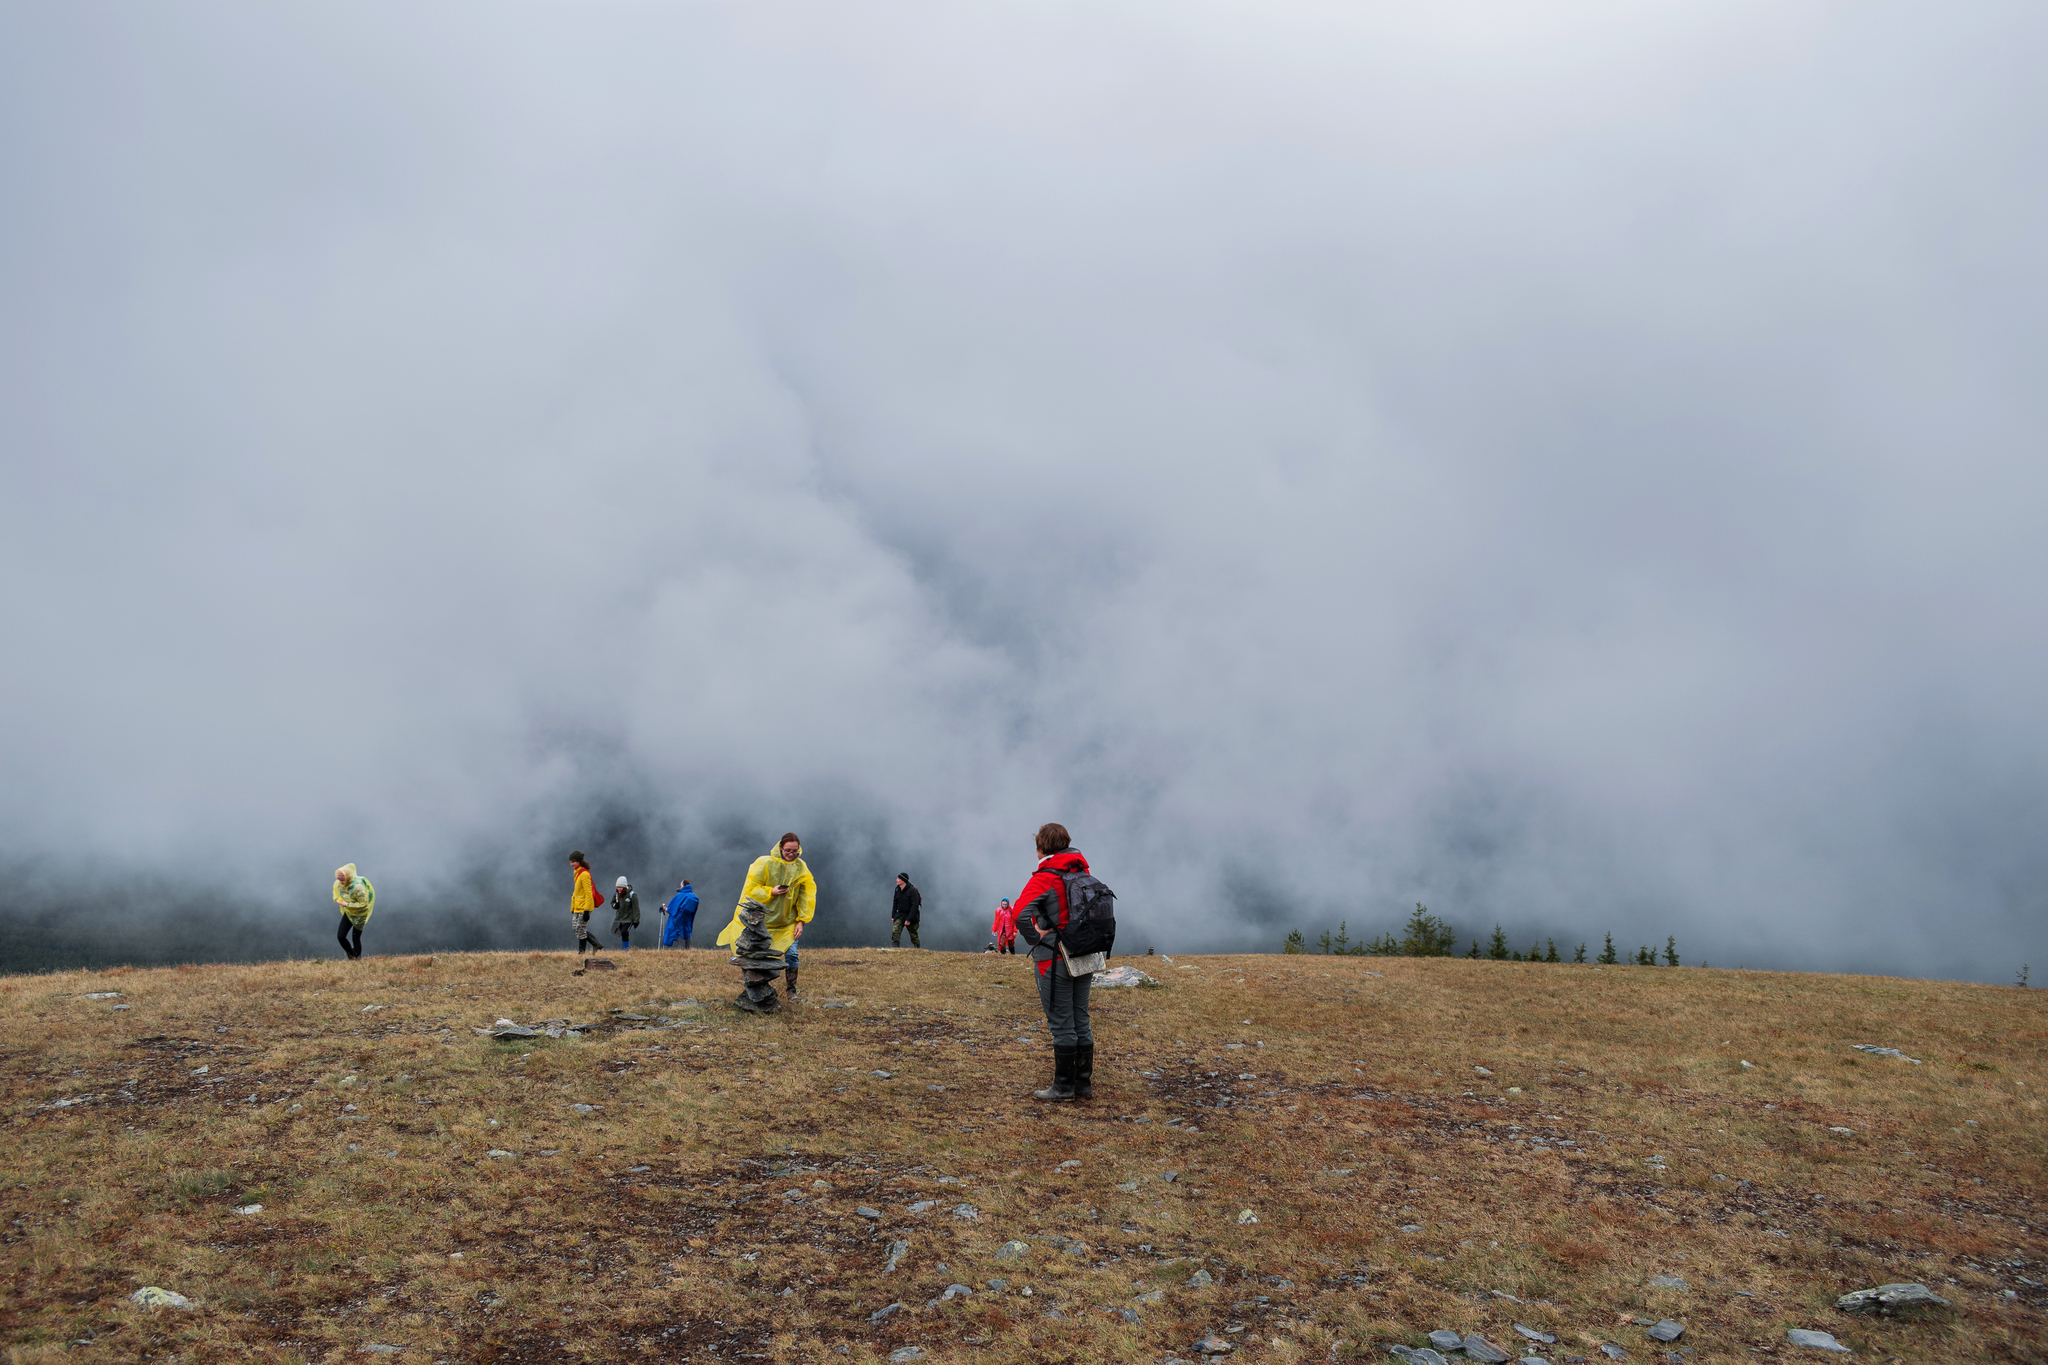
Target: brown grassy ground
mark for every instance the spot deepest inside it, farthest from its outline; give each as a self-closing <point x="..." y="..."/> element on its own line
<point x="708" y="1209"/>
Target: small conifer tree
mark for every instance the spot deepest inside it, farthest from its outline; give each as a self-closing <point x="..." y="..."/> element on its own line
<point x="1535" y="954"/>
<point x="1551" y="956"/>
<point x="1580" y="955"/>
<point x="1475" y="949"/>
<point x="1497" y="946"/>
<point x="1607" y="957"/>
<point x="1644" y="957"/>
<point x="1671" y="950"/>
<point x="1295" y="942"/>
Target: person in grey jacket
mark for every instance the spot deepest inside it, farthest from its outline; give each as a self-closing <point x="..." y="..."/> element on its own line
<point x="625" y="913"/>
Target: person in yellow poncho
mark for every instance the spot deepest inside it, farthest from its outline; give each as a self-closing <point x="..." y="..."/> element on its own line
<point x="582" y="900"/>
<point x="776" y="903"/>
<point x="356" y="897"/>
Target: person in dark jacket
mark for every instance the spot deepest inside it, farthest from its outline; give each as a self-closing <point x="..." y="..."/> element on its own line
<point x="682" y="916"/>
<point x="905" y="915"/>
<point x="1041" y="914"/>
<point x="625" y="914"/>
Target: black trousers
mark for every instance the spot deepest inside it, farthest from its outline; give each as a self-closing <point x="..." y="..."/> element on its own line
<point x="1066" y="1005"/>
<point x="350" y="930"/>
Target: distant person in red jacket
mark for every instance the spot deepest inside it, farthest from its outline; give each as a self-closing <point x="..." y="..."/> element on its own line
<point x="1041" y="913"/>
<point x="1005" y="927"/>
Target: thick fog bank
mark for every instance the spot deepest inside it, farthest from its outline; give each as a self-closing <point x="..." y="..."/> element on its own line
<point x="1575" y="465"/>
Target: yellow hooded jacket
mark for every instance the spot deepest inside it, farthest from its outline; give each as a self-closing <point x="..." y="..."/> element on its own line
<point x="583" y="897"/>
<point x="784" y="912"/>
<point x="358" y="899"/>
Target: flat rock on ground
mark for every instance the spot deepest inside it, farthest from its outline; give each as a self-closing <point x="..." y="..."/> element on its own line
<point x="1890" y="1298"/>
<point x="1819" y="1341"/>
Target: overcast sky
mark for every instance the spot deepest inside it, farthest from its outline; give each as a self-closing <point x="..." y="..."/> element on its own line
<point x="1577" y="465"/>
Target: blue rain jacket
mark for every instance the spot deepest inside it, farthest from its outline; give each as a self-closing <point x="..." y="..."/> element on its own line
<point x="682" y="917"/>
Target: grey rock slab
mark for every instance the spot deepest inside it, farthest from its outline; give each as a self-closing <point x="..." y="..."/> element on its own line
<point x="1155" y="1296"/>
<point x="1013" y="1251"/>
<point x="149" y="1296"/>
<point x="1417" y="1355"/>
<point x="865" y="1212"/>
<point x="1128" y="1315"/>
<point x="1213" y="1345"/>
<point x="1446" y="1340"/>
<point x="956" y="1291"/>
<point x="1669" y="1281"/>
<point x="1819" y="1341"/>
<point x="1888" y="1298"/>
<point x="881" y="1313"/>
<point x="1612" y="1352"/>
<point x="897" y="1251"/>
<point x="967" y="1213"/>
<point x="1531" y="1334"/>
<point x="904" y="1354"/>
<point x="378" y="1348"/>
<point x="1479" y="1348"/>
<point x="921" y="1205"/>
<point x="1667" y="1330"/>
<point x="1201" y="1279"/>
<point x="1532" y="1360"/>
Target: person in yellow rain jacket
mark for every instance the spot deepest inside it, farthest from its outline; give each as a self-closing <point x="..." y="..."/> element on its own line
<point x="583" y="900"/>
<point x="357" y="898"/>
<point x="776" y="903"/>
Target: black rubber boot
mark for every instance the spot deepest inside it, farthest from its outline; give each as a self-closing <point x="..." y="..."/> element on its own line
<point x="1062" y="1087"/>
<point x="790" y="978"/>
<point x="1084" y="1072"/>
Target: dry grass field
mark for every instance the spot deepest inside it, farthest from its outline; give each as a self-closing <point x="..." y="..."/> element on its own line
<point x="1422" y="1144"/>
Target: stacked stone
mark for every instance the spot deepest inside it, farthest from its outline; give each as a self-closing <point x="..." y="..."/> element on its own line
<point x="754" y="953"/>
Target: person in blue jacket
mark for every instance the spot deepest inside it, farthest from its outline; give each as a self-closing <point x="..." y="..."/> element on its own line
<point x="682" y="917"/>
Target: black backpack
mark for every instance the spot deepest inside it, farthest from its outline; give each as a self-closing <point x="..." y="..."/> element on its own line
<point x="1091" y="915"/>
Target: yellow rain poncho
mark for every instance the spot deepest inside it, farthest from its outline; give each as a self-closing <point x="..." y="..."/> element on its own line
<point x="358" y="898"/>
<point x="582" y="896"/>
<point x="783" y="912"/>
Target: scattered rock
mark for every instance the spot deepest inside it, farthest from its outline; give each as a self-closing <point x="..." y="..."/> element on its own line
<point x="1446" y="1340"/>
<point x="903" y="1354"/>
<point x="249" y="1210"/>
<point x="865" y="1212"/>
<point x="500" y="1153"/>
<point x="1667" y="1330"/>
<point x="1155" y="1296"/>
<point x="1068" y="1166"/>
<point x="1612" y="1352"/>
<point x="1672" y="1281"/>
<point x="967" y="1213"/>
<point x="1885" y="1052"/>
<point x="586" y="1108"/>
<point x="1012" y="1251"/>
<point x="1819" y="1341"/>
<point x="1126" y="1314"/>
<point x="1122" y="976"/>
<point x="881" y="1313"/>
<point x="1891" y="1298"/>
<point x="897" y="1251"/>
<point x="1416" y="1355"/>
<point x="1532" y="1360"/>
<point x="1411" y="1227"/>
<point x="1213" y="1345"/>
<point x="921" y="1205"/>
<point x="885" y="1075"/>
<point x="149" y="1296"/>
<point x="1482" y="1071"/>
<point x="1247" y="1217"/>
<point x="1479" y="1348"/>
<point x="378" y="1349"/>
<point x="956" y="1291"/>
<point x="103" y="995"/>
<point x="1531" y="1334"/>
<point x="1749" y="1066"/>
<point x="1201" y="1279"/>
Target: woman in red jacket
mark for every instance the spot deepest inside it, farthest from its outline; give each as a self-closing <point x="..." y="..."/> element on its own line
<point x="1005" y="927"/>
<point x="1041" y="913"/>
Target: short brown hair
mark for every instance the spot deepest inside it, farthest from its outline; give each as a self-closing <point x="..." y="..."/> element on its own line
<point x="1053" y="839"/>
<point x="789" y="839"/>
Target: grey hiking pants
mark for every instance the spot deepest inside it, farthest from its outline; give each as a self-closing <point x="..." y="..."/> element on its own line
<point x="1066" y="1005"/>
